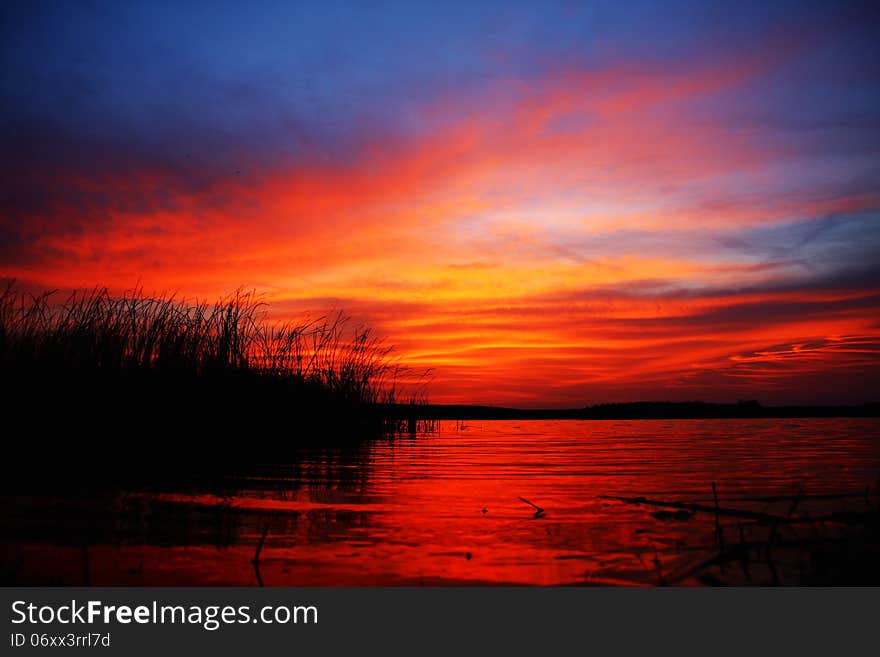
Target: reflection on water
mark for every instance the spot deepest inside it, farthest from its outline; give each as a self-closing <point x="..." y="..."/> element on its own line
<point x="444" y="507"/>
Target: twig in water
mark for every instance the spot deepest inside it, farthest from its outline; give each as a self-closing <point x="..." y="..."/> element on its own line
<point x="772" y="566"/>
<point x="774" y="532"/>
<point x="719" y="535"/>
<point x="260" y="544"/>
<point x="719" y="530"/>
<point x="660" y="579"/>
<point x="538" y="510"/>
<point x="744" y="553"/>
<point x="256" y="559"/>
<point x="734" y="513"/>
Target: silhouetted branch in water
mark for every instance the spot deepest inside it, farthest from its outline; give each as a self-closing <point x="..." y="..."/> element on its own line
<point x="775" y="530"/>
<point x="741" y="551"/>
<point x="538" y="510"/>
<point x="848" y="557"/>
<point x="844" y="517"/>
<point x="719" y="534"/>
<point x="734" y="513"/>
<point x="719" y="530"/>
<point x="260" y="544"/>
<point x="661" y="581"/>
<point x="744" y="554"/>
<point x="774" y="533"/>
<point x="256" y="559"/>
<point x="803" y="497"/>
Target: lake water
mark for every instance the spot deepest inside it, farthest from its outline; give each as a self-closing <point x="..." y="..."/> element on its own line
<point x="444" y="508"/>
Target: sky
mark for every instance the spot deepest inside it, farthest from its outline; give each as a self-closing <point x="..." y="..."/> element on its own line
<point x="539" y="203"/>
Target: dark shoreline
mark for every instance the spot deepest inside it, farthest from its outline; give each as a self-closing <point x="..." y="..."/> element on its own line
<point x="628" y="411"/>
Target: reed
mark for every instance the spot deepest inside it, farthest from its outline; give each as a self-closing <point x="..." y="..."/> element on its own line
<point x="151" y="386"/>
<point x="94" y="332"/>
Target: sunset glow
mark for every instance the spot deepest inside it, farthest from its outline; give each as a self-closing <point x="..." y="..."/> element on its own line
<point x="568" y="205"/>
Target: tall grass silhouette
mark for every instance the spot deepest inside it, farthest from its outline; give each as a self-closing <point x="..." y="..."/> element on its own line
<point x="91" y="373"/>
<point x="94" y="332"/>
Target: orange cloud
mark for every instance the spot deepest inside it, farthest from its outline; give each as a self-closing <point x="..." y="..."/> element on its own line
<point x="456" y="244"/>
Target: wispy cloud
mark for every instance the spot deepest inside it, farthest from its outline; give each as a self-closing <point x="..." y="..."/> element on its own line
<point x="540" y="225"/>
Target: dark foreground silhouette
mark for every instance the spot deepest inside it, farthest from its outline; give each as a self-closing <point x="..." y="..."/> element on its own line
<point x="131" y="387"/>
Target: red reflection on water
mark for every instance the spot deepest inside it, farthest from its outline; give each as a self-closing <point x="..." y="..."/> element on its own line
<point x="444" y="508"/>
